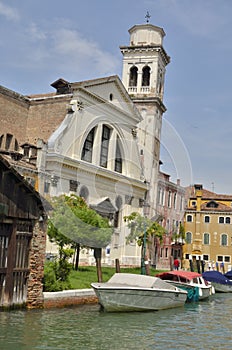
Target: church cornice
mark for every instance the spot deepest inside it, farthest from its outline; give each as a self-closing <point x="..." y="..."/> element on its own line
<point x="149" y="100"/>
<point x="147" y="48"/>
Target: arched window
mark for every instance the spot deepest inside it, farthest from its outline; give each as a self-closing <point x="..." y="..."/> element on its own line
<point x="189" y="218"/>
<point x="105" y="146"/>
<point x="188" y="237"/>
<point x="224" y="239"/>
<point x="146" y="76"/>
<point x="87" y="151"/>
<point x="133" y="76"/>
<point x="206" y="238"/>
<point x="118" y="158"/>
<point x="207" y="218"/>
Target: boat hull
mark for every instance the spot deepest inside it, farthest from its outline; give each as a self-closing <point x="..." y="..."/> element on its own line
<point x="222" y="288"/>
<point x="115" y="299"/>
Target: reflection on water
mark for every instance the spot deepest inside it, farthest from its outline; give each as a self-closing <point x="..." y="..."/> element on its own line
<point x="204" y="325"/>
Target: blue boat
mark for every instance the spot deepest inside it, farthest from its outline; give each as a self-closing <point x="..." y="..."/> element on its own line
<point x="220" y="282"/>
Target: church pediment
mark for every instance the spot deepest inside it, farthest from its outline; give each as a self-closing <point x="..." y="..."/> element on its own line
<point x="103" y="206"/>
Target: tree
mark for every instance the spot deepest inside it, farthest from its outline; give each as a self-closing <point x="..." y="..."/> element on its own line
<point x="73" y="223"/>
<point x="142" y="230"/>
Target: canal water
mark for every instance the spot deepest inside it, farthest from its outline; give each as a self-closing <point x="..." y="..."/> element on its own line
<point x="203" y="325"/>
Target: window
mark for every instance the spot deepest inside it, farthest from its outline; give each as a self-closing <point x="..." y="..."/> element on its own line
<point x="221" y="220"/>
<point x="166" y="252"/>
<point x="73" y="184"/>
<point x="189" y="218"/>
<point x="220" y="258"/>
<point x="188" y="237"/>
<point x="194" y="203"/>
<point x="162" y="197"/>
<point x="224" y="239"/>
<point x="174" y="201"/>
<point x="227" y="259"/>
<point x="133" y="76"/>
<point x="207" y="219"/>
<point x="181" y="203"/>
<point x="46" y="187"/>
<point x="9" y="138"/>
<point x="206" y="238"/>
<point x="161" y="252"/>
<point x="205" y="257"/>
<point x="227" y="220"/>
<point x="104" y="146"/>
<point x="146" y="76"/>
<point x="169" y="199"/>
<point x="159" y="195"/>
<point x="87" y="150"/>
<point x="212" y="204"/>
<point x="187" y="256"/>
<point x="118" y="158"/>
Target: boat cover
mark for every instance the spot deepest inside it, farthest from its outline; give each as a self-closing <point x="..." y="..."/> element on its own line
<point x="217" y="277"/>
<point x="187" y="275"/>
<point x="134" y="280"/>
<point x="228" y="275"/>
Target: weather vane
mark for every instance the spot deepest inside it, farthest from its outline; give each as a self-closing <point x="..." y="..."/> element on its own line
<point x="148" y="17"/>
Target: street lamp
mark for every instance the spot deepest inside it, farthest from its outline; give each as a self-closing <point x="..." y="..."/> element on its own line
<point x="144" y="262"/>
<point x="143" y="267"/>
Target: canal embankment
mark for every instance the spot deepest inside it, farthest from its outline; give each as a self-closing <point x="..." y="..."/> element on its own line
<point x="69" y="298"/>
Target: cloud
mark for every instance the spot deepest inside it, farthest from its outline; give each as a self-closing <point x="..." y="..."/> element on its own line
<point x="9" y="13"/>
<point x="62" y="51"/>
<point x="69" y="46"/>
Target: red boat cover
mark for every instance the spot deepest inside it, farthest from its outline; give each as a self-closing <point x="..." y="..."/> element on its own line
<point x="184" y="274"/>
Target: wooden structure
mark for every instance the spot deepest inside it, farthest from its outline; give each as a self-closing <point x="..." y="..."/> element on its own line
<point x="22" y="241"/>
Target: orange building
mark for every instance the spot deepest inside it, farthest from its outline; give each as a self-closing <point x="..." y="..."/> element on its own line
<point x="208" y="229"/>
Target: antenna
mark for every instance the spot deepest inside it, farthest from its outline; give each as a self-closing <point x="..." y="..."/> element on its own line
<point x="212" y="186"/>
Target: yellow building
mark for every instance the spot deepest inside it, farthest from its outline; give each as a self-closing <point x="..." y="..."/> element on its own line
<point x="208" y="229"/>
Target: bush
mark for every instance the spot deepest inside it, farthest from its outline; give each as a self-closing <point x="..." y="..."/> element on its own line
<point x="52" y="280"/>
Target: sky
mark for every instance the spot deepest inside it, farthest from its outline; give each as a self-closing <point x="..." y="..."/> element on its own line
<point x="44" y="40"/>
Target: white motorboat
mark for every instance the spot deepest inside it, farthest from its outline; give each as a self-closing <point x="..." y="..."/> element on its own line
<point x="197" y="287"/>
<point x="132" y="292"/>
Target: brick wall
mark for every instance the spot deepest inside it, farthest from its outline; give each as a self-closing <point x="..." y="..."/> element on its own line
<point x="45" y="116"/>
<point x="14" y="114"/>
<point x="36" y="266"/>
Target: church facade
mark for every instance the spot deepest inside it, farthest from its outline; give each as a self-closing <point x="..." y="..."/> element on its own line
<point x="99" y="139"/>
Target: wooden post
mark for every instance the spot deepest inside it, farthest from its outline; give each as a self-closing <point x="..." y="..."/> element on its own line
<point x="97" y="255"/>
<point x="117" y="265"/>
<point x="8" y="297"/>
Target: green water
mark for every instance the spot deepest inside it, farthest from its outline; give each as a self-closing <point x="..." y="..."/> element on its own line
<point x="203" y="325"/>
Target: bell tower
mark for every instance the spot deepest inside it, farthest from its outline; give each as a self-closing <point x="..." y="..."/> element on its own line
<point x="144" y="67"/>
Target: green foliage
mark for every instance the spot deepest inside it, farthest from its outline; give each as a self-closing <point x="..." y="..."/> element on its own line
<point x="52" y="281"/>
<point x="140" y="225"/>
<point x="73" y="221"/>
<point x="176" y="236"/>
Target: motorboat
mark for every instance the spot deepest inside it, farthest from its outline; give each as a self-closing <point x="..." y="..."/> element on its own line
<point x="192" y="282"/>
<point x="221" y="283"/>
<point x="133" y="292"/>
<point x="228" y="275"/>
